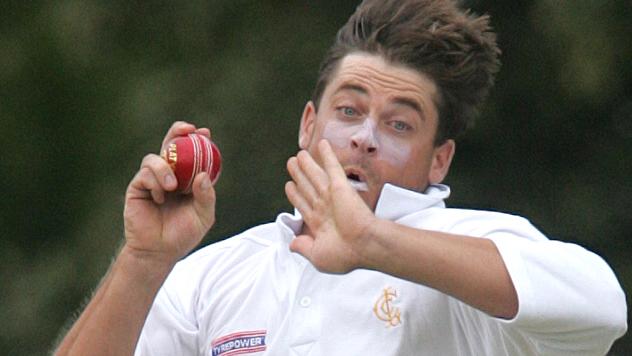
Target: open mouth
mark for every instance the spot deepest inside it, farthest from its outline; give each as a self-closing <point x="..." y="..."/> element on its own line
<point x="357" y="183"/>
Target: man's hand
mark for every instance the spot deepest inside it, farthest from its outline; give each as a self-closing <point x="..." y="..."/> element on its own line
<point x="337" y="220"/>
<point x="161" y="226"/>
<point x="159" y="223"/>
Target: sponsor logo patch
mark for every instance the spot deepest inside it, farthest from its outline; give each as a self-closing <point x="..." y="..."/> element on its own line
<point x="239" y="343"/>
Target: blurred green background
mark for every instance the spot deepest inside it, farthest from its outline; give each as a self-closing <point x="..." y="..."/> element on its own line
<point x="87" y="88"/>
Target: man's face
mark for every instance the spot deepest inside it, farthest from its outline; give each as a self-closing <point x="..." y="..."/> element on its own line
<point x="381" y="121"/>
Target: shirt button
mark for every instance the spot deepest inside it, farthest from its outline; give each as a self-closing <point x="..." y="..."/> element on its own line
<point x="305" y="302"/>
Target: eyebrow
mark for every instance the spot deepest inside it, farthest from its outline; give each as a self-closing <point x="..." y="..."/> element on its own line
<point x="413" y="104"/>
<point x="352" y="87"/>
<point x="403" y="101"/>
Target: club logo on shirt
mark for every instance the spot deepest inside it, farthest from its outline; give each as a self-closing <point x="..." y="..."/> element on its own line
<point x="385" y="310"/>
<point x="239" y="343"/>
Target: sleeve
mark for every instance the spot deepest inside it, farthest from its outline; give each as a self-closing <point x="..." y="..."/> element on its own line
<point x="170" y="327"/>
<point x="569" y="298"/>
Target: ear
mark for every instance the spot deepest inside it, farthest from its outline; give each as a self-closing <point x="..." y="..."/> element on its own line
<point x="441" y="160"/>
<point x="306" y="130"/>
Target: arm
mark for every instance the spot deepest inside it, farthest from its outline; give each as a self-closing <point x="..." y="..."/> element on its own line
<point x="558" y="295"/>
<point x="119" y="306"/>
<point x="160" y="228"/>
<point x="343" y="234"/>
<point x="469" y="269"/>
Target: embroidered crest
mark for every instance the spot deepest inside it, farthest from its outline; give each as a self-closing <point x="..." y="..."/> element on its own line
<point x="239" y="343"/>
<point x="385" y="310"/>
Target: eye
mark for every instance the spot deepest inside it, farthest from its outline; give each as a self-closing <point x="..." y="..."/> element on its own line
<point x="348" y="111"/>
<point x="401" y="126"/>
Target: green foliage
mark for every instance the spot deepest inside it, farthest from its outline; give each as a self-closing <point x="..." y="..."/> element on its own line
<point x="87" y="88"/>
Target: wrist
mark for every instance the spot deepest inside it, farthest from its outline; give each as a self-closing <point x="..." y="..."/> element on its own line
<point x="146" y="265"/>
<point x="370" y="246"/>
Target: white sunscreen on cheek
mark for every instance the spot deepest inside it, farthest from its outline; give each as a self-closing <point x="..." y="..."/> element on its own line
<point x="394" y="152"/>
<point x="337" y="134"/>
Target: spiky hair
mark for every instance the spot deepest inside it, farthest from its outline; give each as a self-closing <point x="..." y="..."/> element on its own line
<point x="453" y="47"/>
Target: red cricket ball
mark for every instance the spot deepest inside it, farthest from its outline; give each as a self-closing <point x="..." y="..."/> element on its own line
<point x="192" y="154"/>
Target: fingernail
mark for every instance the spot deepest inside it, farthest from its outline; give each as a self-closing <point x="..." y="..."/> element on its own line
<point x="206" y="183"/>
<point x="170" y="179"/>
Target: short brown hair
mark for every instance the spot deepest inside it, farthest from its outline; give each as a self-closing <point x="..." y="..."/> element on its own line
<point x="455" y="48"/>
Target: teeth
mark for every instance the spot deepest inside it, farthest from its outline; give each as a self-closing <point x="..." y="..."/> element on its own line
<point x="357" y="185"/>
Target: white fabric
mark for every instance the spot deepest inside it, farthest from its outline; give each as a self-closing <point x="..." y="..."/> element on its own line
<point x="250" y="292"/>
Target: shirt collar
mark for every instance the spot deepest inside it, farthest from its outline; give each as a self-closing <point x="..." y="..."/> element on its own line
<point x="393" y="204"/>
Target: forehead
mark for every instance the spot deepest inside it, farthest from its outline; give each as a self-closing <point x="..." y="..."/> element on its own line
<point x="375" y="73"/>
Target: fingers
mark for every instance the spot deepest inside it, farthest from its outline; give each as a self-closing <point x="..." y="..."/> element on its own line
<point x="204" y="199"/>
<point x="204" y="132"/>
<point x="330" y="163"/>
<point x="162" y="171"/>
<point x="302" y="182"/>
<point x="181" y="128"/>
<point x="154" y="177"/>
<point x="308" y="190"/>
<point x="145" y="186"/>
<point x="310" y="183"/>
<point x="308" y="175"/>
<point x="303" y="244"/>
<point x="178" y="128"/>
<point x="312" y="179"/>
<point x="312" y="170"/>
<point x="298" y="200"/>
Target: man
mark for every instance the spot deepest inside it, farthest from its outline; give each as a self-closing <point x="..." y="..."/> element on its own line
<point x="372" y="262"/>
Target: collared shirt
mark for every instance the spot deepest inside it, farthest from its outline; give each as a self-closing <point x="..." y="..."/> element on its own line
<point x="251" y="295"/>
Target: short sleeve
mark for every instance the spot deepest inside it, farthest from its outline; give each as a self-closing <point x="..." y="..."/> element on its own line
<point x="569" y="298"/>
<point x="170" y="327"/>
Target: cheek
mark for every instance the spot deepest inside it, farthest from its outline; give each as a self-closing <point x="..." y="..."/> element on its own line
<point x="394" y="152"/>
<point x="403" y="165"/>
<point x="338" y="134"/>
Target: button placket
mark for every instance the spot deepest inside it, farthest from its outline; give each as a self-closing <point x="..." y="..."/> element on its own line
<point x="306" y="319"/>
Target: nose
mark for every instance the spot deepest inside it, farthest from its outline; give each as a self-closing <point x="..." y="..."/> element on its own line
<point x="365" y="138"/>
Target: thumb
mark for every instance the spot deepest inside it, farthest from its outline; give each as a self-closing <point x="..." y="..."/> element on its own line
<point x="302" y="244"/>
<point x="204" y="199"/>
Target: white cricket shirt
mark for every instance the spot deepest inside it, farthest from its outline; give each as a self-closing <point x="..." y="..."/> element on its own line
<point x="249" y="295"/>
